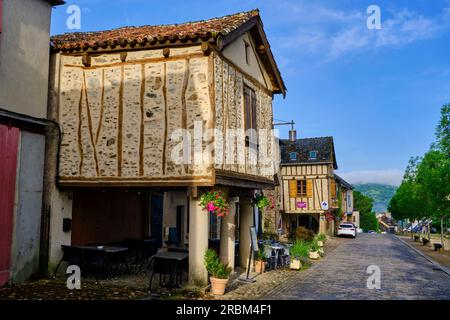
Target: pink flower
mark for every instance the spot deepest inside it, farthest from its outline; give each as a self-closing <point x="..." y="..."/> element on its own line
<point x="210" y="206"/>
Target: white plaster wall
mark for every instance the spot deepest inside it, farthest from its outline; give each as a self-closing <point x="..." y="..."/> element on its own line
<point x="60" y="208"/>
<point x="172" y="199"/>
<point x="235" y="52"/>
<point x="24" y="56"/>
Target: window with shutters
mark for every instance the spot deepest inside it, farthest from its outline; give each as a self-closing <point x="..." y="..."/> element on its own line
<point x="301" y="188"/>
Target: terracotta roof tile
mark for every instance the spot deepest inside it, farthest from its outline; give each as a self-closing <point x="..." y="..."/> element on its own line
<point x="204" y="30"/>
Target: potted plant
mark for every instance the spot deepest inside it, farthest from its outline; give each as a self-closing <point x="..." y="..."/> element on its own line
<point x="321" y="238"/>
<point x="261" y="201"/>
<point x="218" y="271"/>
<point x="260" y="261"/>
<point x="314" y="250"/>
<point x="214" y="203"/>
<point x="298" y="252"/>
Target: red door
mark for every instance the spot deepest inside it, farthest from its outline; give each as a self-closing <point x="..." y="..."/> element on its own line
<point x="9" y="139"/>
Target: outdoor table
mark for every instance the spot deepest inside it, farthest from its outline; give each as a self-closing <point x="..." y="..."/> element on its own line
<point x="111" y="254"/>
<point x="168" y="262"/>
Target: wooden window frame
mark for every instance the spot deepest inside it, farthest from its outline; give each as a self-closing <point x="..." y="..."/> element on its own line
<point x="301" y="188"/>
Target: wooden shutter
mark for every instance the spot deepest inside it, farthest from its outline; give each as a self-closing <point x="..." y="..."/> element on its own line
<point x="253" y="102"/>
<point x="292" y="188"/>
<point x="247" y="108"/>
<point x="333" y="189"/>
<point x="309" y="188"/>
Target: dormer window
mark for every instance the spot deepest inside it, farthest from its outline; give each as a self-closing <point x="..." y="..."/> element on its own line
<point x="293" y="155"/>
<point x="313" y="155"/>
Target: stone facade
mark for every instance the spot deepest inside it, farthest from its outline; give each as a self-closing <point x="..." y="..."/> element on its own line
<point x="119" y="113"/>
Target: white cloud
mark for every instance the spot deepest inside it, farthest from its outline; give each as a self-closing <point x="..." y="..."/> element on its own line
<point x="391" y="177"/>
<point x="329" y="33"/>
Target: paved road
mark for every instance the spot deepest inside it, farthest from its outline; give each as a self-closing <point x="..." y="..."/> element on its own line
<point x="342" y="274"/>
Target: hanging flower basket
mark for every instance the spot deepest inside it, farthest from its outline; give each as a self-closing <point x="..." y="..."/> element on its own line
<point x="261" y="201"/>
<point x="214" y="203"/>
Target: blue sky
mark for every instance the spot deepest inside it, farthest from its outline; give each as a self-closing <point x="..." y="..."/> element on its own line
<point x="378" y="92"/>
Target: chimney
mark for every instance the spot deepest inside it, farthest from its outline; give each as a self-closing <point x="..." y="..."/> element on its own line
<point x="292" y="135"/>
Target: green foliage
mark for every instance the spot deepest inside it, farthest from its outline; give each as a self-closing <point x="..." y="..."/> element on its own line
<point x="314" y="245"/>
<point x="214" y="267"/>
<point x="300" y="249"/>
<point x="321" y="237"/>
<point x="261" y="201"/>
<point x="368" y="221"/>
<point x="380" y="193"/>
<point x="443" y="130"/>
<point x="364" y="204"/>
<point x="425" y="189"/>
<point x="214" y="202"/>
<point x="260" y="254"/>
<point x="303" y="234"/>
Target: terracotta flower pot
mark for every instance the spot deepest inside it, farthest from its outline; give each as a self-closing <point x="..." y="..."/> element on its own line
<point x="218" y="286"/>
<point x="314" y="255"/>
<point x="296" y="264"/>
<point x="260" y="266"/>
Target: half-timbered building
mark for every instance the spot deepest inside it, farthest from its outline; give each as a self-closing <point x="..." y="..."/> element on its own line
<point x="308" y="188"/>
<point x="125" y="98"/>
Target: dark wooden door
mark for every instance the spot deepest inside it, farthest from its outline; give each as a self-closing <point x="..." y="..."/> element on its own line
<point x="156" y="217"/>
<point x="9" y="143"/>
<point x="107" y="216"/>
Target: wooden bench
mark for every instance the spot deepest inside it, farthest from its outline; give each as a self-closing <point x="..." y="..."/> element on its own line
<point x="437" y="247"/>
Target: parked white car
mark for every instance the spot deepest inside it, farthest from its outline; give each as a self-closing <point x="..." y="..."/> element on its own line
<point x="346" y="229"/>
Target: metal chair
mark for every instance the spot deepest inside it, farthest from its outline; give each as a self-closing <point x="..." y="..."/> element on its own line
<point x="71" y="255"/>
<point x="96" y="261"/>
<point x="163" y="267"/>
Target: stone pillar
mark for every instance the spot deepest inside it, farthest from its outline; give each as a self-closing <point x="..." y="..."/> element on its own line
<point x="246" y="221"/>
<point x="198" y="242"/>
<point x="227" y="234"/>
<point x="322" y="224"/>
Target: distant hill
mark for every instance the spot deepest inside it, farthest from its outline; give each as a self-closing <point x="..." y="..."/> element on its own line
<point x="380" y="193"/>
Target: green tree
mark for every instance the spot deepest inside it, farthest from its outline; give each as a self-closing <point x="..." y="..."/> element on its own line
<point x="443" y="130"/>
<point x="364" y="205"/>
<point x="433" y="177"/>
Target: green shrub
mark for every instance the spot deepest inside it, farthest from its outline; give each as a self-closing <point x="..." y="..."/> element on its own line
<point x="321" y="237"/>
<point x="303" y="234"/>
<point x="260" y="254"/>
<point x="214" y="267"/>
<point x="314" y="245"/>
<point x="300" y="249"/>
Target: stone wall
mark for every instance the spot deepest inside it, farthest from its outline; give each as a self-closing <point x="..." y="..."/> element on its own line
<point x="229" y="101"/>
<point x="119" y="112"/>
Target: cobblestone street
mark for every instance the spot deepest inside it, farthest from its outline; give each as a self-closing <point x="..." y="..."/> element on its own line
<point x="342" y="273"/>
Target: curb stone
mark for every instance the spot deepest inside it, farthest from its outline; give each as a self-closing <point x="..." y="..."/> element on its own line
<point x="433" y="262"/>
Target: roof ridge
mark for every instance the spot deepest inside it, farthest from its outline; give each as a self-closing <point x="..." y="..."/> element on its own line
<point x="253" y="13"/>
